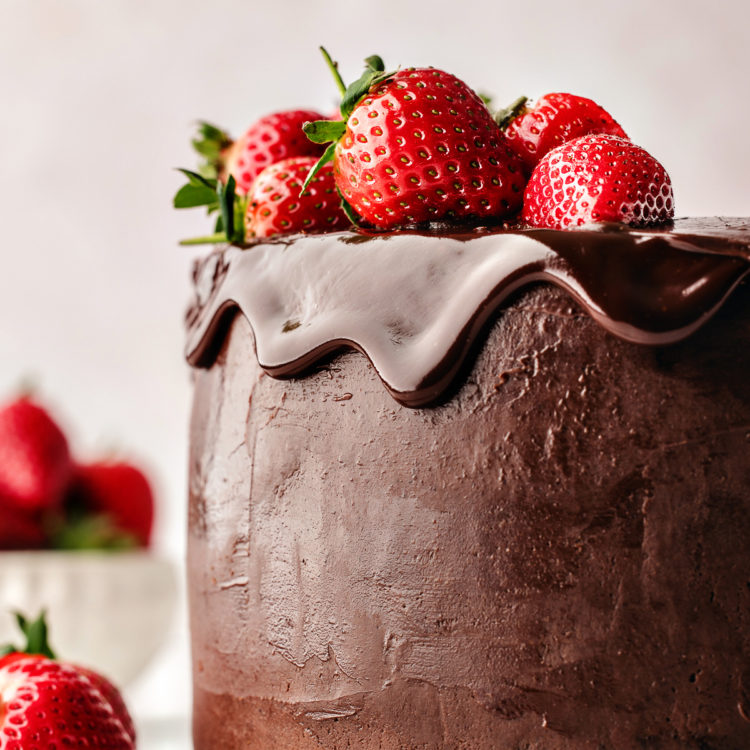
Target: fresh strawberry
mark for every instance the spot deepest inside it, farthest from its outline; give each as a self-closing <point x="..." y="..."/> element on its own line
<point x="532" y="130"/>
<point x="419" y="145"/>
<point x="598" y="178"/>
<point x="35" y="463"/>
<point x="120" y="492"/>
<point x="46" y="704"/>
<point x="20" y="529"/>
<point x="229" y="168"/>
<point x="49" y="705"/>
<point x="276" y="206"/>
<point x="269" y="140"/>
<point x="113" y="697"/>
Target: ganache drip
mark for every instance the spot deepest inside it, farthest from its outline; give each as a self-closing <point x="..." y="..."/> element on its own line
<point x="415" y="303"/>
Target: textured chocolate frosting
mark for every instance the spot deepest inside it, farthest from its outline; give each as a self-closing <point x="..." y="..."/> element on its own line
<point x="552" y="555"/>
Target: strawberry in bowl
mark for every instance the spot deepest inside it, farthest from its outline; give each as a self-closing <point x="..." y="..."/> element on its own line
<point x="75" y="539"/>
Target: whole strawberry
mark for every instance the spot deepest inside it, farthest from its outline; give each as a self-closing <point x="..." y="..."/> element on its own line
<point x="269" y="140"/>
<point x="35" y="463"/>
<point x="46" y="704"/>
<point x="419" y="145"/>
<point x="532" y="130"/>
<point x="120" y="492"/>
<point x="276" y="205"/>
<point x="598" y="178"/>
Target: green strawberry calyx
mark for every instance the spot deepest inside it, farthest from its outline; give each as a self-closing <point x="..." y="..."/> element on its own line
<point x="218" y="198"/>
<point x="503" y="117"/>
<point x="211" y="143"/>
<point x="205" y="188"/>
<point x="84" y="531"/>
<point x="35" y="632"/>
<point x="331" y="131"/>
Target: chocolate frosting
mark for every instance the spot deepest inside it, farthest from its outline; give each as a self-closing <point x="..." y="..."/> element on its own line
<point x="555" y="557"/>
<point x="417" y="303"/>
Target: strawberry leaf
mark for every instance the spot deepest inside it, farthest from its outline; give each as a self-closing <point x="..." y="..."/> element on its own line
<point x="230" y="223"/>
<point x="198" y="180"/>
<point x="347" y="208"/>
<point x="323" y="131"/>
<point x="375" y="63"/>
<point x="210" y="143"/>
<point x="226" y="195"/>
<point x="355" y="91"/>
<point x="35" y="632"/>
<point x="211" y="139"/>
<point x="324" y="159"/>
<point x="504" y="117"/>
<point x="36" y="635"/>
<point x="84" y="531"/>
<point x="190" y="196"/>
<point x="240" y="209"/>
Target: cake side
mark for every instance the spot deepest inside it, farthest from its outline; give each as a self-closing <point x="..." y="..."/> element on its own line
<point x="555" y="555"/>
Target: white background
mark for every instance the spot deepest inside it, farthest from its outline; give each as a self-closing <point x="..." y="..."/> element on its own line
<point x="97" y="101"/>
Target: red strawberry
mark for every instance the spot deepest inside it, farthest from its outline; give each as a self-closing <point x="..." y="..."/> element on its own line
<point x="112" y="696"/>
<point x="598" y="178"/>
<point x="275" y="205"/>
<point x="269" y="140"/>
<point x="553" y="119"/>
<point x="119" y="491"/>
<point x="19" y="529"/>
<point x="419" y="145"/>
<point x="35" y="462"/>
<point x="46" y="704"/>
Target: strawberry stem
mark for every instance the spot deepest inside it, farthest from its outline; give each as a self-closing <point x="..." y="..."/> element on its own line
<point x="322" y="131"/>
<point x="211" y="239"/>
<point x="334" y="68"/>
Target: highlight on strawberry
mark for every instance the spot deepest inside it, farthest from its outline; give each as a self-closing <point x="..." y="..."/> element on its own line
<point x="416" y="146"/>
<point x="48" y="704"/>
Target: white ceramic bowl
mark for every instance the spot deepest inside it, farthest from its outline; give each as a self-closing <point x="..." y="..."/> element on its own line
<point x="110" y="611"/>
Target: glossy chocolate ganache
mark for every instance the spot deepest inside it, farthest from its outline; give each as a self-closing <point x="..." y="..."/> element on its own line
<point x="535" y="536"/>
<point x="415" y="303"/>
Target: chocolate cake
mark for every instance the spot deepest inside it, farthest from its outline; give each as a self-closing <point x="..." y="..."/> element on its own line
<point x="483" y="490"/>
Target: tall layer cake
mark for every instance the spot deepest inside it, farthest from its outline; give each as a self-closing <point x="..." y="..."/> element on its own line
<point x="487" y="490"/>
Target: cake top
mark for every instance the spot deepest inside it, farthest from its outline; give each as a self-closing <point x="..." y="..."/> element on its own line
<point x="400" y="225"/>
<point x="415" y="303"/>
